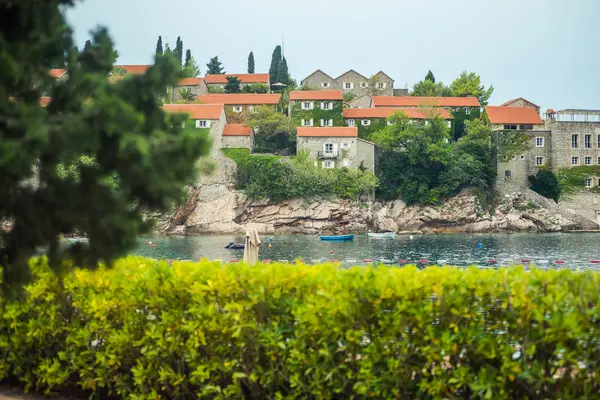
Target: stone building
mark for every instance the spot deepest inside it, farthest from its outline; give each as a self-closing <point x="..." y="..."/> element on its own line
<point x="575" y="143"/>
<point x="351" y="82"/>
<point x="526" y="120"/>
<point x="238" y="136"/>
<point x="220" y="80"/>
<point x="238" y="105"/>
<point x="521" y="102"/>
<point x="194" y="85"/>
<point x="336" y="147"/>
<point x="363" y="101"/>
<point x="133" y="69"/>
<point x="316" y="107"/>
<point x="370" y="120"/>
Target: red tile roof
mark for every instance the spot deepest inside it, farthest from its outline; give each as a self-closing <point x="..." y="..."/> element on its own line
<point x="57" y="72"/>
<point x="244" y="78"/>
<point x="517" y="99"/>
<point x="44" y="101"/>
<point x="382" y="112"/>
<point x="328" y="131"/>
<point x="513" y="115"/>
<point x="415" y="101"/>
<point x="134" y="69"/>
<point x="316" y="95"/>
<point x="240" y="99"/>
<point x="237" y="130"/>
<point x="189" y="82"/>
<point x="196" y="111"/>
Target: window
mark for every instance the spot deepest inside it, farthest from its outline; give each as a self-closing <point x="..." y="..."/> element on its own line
<point x="348" y="85"/>
<point x="183" y="124"/>
<point x="350" y="122"/>
<point x="539" y="161"/>
<point x="328" y="164"/>
<point x="599" y="141"/>
<point x="588" y="182"/>
<point x="307" y="122"/>
<point x="237" y="109"/>
<point x="325" y="105"/>
<point x="449" y="123"/>
<point x="345" y="145"/>
<point x="598" y="160"/>
<point x="325" y="84"/>
<point x="587" y="141"/>
<point x="201" y="123"/>
<point x="539" y="142"/>
<point x="307" y="105"/>
<point x="328" y="148"/>
<point x="346" y="162"/>
<point x="250" y="108"/>
<point x="390" y="123"/>
<point x="507" y="173"/>
<point x="574" y="160"/>
<point x="522" y="157"/>
<point x="510" y="127"/>
<point x="381" y="85"/>
<point x="587" y="160"/>
<point x="326" y="122"/>
<point x="365" y="122"/>
<point x="468" y="110"/>
<point x="526" y="127"/>
<point x="574" y="141"/>
<point x="364" y="85"/>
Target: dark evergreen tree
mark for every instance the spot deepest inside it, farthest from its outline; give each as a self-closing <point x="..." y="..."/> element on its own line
<point x="275" y="61"/>
<point x="188" y="57"/>
<point x="179" y="50"/>
<point x="85" y="162"/>
<point x="88" y="45"/>
<point x="430" y="77"/>
<point x="283" y="75"/>
<point x="251" y="63"/>
<point x="233" y="85"/>
<point x="214" y="66"/>
<point x="159" y="46"/>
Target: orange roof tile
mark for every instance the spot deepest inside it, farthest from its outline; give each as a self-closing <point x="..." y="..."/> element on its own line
<point x="244" y="78"/>
<point x="517" y="99"/>
<point x="383" y="112"/>
<point x="237" y="130"/>
<point x="240" y="99"/>
<point x="513" y="115"/>
<point x="328" y="131"/>
<point x="316" y="95"/>
<point x="44" y="101"/>
<point x="189" y="82"/>
<point x="134" y="69"/>
<point x="416" y="101"/>
<point x="196" y="111"/>
<point x="550" y="111"/>
<point x="57" y="72"/>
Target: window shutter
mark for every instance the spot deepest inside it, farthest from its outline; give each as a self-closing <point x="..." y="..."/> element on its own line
<point x="311" y="122"/>
<point x="197" y="123"/>
<point x="312" y="105"/>
<point x="321" y="122"/>
<point x="331" y="122"/>
<point x="333" y="163"/>
<point x="335" y="147"/>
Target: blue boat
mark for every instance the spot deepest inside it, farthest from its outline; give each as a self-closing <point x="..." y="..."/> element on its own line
<point x="338" y="238"/>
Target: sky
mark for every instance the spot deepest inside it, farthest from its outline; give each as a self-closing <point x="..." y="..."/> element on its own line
<point x="544" y="50"/>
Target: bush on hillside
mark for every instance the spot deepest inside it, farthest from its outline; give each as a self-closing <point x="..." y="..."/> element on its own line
<point x="271" y="177"/>
<point x="145" y="330"/>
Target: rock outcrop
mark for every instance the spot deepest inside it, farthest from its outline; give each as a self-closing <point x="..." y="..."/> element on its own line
<point x="219" y="209"/>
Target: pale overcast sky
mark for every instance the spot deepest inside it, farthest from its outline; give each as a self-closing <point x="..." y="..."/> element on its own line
<point x="544" y="50"/>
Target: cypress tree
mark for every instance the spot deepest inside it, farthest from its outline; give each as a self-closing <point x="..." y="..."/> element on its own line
<point x="275" y="61"/>
<point x="188" y="57"/>
<point x="251" y="63"/>
<point x="179" y="49"/>
<point x="159" y="47"/>
<point x="430" y="77"/>
<point x="88" y="45"/>
<point x="283" y="75"/>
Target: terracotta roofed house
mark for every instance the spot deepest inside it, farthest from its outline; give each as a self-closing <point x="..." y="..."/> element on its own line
<point x="336" y="147"/>
<point x="509" y="117"/>
<point x="521" y="102"/>
<point x="207" y="116"/>
<point x="238" y="136"/>
<point x="316" y="107"/>
<point x="417" y="101"/>
<point x="351" y="81"/>
<point x="220" y="80"/>
<point x="237" y="105"/>
<point x="134" y="69"/>
<point x="194" y="85"/>
<point x="58" y="73"/>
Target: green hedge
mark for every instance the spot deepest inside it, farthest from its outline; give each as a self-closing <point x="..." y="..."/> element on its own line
<point x="148" y="330"/>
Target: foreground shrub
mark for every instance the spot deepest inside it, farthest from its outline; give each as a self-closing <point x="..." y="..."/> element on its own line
<point x="147" y="330"/>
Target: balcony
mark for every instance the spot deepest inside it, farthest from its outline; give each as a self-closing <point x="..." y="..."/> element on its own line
<point x="328" y="155"/>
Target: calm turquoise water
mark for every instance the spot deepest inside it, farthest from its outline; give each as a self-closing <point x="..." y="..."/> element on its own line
<point x="576" y="249"/>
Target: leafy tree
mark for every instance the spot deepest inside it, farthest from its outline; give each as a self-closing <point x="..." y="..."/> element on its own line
<point x="190" y="68"/>
<point x="256" y="88"/>
<point x="429" y="88"/>
<point x="233" y="85"/>
<point x="251" y="63"/>
<point x="188" y="95"/>
<point x="274" y="130"/>
<point x="430" y="77"/>
<point x="120" y="126"/>
<point x="275" y="61"/>
<point x="159" y="47"/>
<point x="373" y="86"/>
<point x="546" y="184"/>
<point x="348" y="97"/>
<point x="469" y="84"/>
<point x="214" y="66"/>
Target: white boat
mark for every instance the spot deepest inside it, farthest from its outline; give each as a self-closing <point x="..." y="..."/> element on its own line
<point x="382" y="235"/>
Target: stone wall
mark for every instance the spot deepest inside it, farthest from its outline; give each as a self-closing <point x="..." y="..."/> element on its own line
<point x="237" y="142"/>
<point x="361" y="102"/>
<point x="562" y="149"/>
<point x="523" y="165"/>
<point x="360" y="84"/>
<point x="224" y="168"/>
<point x="365" y="153"/>
<point x="400" y="92"/>
<point x="521" y="102"/>
<point x="584" y="203"/>
<point x="196" y="89"/>
<point x="316" y="79"/>
<point x="347" y="156"/>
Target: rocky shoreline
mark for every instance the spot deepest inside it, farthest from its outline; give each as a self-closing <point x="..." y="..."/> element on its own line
<point x="220" y="209"/>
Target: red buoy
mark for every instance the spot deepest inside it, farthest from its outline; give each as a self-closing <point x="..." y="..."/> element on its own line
<point x="492" y="261"/>
<point x="424" y="261"/>
<point x="595" y="261"/>
<point x="525" y="261"/>
<point x="368" y="261"/>
<point x="402" y="261"/>
<point x="266" y="261"/>
<point x="233" y="260"/>
<point x="559" y="261"/>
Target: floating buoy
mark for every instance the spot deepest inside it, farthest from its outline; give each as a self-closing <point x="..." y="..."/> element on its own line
<point x="266" y="261"/>
<point x="270" y="245"/>
<point x="411" y="237"/>
<point x="525" y="261"/>
<point x="442" y="262"/>
<point x="334" y="261"/>
<point x="492" y="261"/>
<point x="424" y="261"/>
<point x="283" y="261"/>
<point x="367" y="261"/>
<point x="149" y="242"/>
<point x="330" y="251"/>
<point x="233" y="260"/>
<point x="559" y="261"/>
<point x="595" y="261"/>
<point x="402" y="261"/>
<point x="350" y="261"/>
<point x="146" y="240"/>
